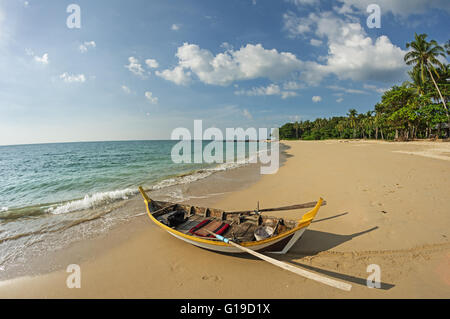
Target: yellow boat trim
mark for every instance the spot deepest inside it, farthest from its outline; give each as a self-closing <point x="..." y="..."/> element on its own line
<point x="304" y="222"/>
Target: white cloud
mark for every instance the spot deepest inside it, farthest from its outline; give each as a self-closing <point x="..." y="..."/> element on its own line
<point x="247" y="114"/>
<point x="26" y="4"/>
<point x="177" y="75"/>
<point x="86" y="45"/>
<point x="315" y="42"/>
<point x="151" y="98"/>
<point x="43" y="59"/>
<point x="249" y="62"/>
<point x="152" y="63"/>
<point x="296" y="25"/>
<point x="293" y="85"/>
<point x="316" y="99"/>
<point x="288" y="94"/>
<point x="126" y="89"/>
<point x="73" y="78"/>
<point x="351" y="53"/>
<point x="135" y="67"/>
<point x="175" y="27"/>
<point x="272" y="89"/>
<point x="398" y="7"/>
<point x="304" y="2"/>
<point x="375" y="88"/>
<point x="346" y="90"/>
<point x="339" y="100"/>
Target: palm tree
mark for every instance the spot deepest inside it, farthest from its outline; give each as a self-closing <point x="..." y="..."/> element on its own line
<point x="352" y="114"/>
<point x="296" y="127"/>
<point x="417" y="82"/>
<point x="424" y="56"/>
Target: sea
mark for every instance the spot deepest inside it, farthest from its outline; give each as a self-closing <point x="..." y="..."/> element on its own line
<point x="54" y="194"/>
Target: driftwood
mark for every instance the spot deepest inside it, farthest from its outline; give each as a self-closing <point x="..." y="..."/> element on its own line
<point x="299" y="206"/>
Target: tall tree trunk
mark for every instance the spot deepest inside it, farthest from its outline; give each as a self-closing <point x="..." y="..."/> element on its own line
<point x="376" y="133"/>
<point x="440" y="94"/>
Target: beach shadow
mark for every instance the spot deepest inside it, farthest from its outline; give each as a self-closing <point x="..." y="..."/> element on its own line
<point x="313" y="242"/>
<point x="344" y="277"/>
<point x="327" y="218"/>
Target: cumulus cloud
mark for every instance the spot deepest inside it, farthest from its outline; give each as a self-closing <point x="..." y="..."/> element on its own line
<point x="272" y="89"/>
<point x="43" y="59"/>
<point x="86" y="45"/>
<point x="151" y="98"/>
<point x="249" y="62"/>
<point x="288" y="94"/>
<point x="175" y="27"/>
<point x="73" y="78"/>
<point x="304" y="2"/>
<point x="398" y="7"/>
<point x="315" y="42"/>
<point x="135" y="67"/>
<point x="177" y="75"/>
<point x="339" y="100"/>
<point x="293" y="85"/>
<point x="316" y="99"/>
<point x="152" y="63"/>
<point x="126" y="89"/>
<point x="351" y="53"/>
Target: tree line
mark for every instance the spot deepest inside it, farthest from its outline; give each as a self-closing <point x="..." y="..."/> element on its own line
<point x="417" y="108"/>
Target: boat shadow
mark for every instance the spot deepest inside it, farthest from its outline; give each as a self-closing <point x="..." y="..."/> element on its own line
<point x="313" y="242"/>
<point x="317" y="242"/>
<point x="341" y="276"/>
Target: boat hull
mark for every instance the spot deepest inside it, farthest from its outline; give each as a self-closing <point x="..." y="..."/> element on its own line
<point x="277" y="244"/>
<point x="280" y="246"/>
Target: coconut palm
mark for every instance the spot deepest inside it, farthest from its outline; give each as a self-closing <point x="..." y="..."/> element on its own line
<point x="352" y="117"/>
<point x="424" y="56"/>
<point x="296" y="127"/>
<point x="416" y="82"/>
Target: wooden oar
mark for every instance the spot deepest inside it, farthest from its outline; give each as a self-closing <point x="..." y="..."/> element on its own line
<point x="296" y="270"/>
<point x="299" y="206"/>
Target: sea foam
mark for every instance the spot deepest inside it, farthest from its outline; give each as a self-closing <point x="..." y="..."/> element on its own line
<point x="90" y="201"/>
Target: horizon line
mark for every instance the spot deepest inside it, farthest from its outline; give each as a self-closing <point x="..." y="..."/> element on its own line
<point x="133" y="140"/>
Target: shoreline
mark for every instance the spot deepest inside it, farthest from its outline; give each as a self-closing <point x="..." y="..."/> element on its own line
<point x="384" y="207"/>
<point x="132" y="217"/>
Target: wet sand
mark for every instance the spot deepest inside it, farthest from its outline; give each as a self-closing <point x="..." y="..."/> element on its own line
<point x="387" y="205"/>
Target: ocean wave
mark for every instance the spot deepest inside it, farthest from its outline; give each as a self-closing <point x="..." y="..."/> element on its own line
<point x="3" y="209"/>
<point x="90" y="201"/>
<point x="197" y="175"/>
<point x="97" y="199"/>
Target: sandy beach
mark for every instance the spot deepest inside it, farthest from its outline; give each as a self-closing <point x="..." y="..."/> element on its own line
<point x="387" y="204"/>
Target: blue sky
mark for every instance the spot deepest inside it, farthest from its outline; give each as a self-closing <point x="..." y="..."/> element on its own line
<point x="138" y="69"/>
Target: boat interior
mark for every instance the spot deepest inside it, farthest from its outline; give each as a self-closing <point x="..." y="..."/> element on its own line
<point x="238" y="226"/>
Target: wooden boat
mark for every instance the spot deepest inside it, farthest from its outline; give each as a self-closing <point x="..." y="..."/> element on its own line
<point x="194" y="225"/>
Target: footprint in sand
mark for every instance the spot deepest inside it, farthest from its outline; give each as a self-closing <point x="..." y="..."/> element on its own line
<point x="212" y="277"/>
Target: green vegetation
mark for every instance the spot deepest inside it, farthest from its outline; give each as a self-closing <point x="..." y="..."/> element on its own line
<point x="416" y="109"/>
